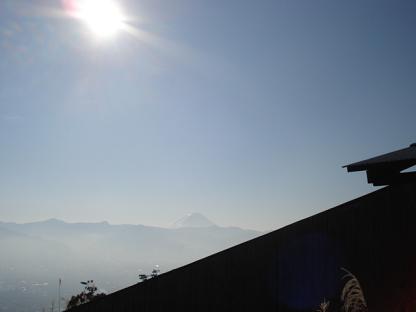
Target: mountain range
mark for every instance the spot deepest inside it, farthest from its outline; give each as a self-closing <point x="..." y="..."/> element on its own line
<point x="35" y="255"/>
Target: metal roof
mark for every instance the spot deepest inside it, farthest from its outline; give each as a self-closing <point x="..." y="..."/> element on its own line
<point x="386" y="169"/>
<point x="405" y="155"/>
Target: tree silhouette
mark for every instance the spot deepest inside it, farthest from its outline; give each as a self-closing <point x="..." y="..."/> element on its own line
<point x="89" y="293"/>
<point x="145" y="277"/>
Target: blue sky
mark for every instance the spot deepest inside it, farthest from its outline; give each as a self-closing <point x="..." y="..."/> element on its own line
<point x="242" y="110"/>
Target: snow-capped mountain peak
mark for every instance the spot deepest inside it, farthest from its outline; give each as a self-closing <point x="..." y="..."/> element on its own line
<point x="193" y="220"/>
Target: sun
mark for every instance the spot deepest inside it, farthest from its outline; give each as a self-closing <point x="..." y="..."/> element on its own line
<point x="103" y="17"/>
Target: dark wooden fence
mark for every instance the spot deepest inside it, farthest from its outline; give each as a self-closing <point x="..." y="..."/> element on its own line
<point x="298" y="267"/>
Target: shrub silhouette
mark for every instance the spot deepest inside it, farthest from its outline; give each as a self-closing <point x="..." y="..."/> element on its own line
<point x="145" y="277"/>
<point x="89" y="293"/>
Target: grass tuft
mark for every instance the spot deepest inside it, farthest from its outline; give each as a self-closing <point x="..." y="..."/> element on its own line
<point x="352" y="294"/>
<point x="324" y="306"/>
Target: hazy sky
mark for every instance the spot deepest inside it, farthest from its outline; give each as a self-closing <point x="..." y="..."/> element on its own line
<point x="242" y="110"/>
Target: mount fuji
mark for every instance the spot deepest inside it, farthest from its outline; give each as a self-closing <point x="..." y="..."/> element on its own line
<point x="193" y="220"/>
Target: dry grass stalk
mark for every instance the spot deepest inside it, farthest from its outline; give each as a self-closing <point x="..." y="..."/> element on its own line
<point x="323" y="307"/>
<point x="352" y="294"/>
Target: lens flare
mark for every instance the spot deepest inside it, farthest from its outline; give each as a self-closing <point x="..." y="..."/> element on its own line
<point x="103" y="17"/>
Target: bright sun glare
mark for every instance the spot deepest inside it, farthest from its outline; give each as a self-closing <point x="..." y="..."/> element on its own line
<point x="103" y="17"/>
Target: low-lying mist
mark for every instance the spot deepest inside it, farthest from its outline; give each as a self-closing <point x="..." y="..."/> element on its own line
<point x="36" y="255"/>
